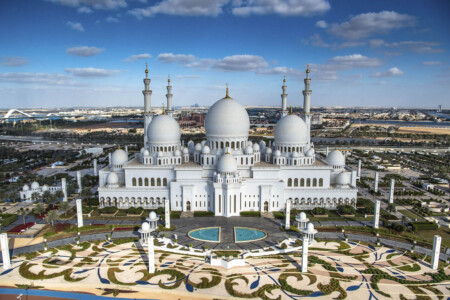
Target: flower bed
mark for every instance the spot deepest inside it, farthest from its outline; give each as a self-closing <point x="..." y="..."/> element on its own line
<point x="21" y="227"/>
<point x="61" y="227"/>
<point x="123" y="229"/>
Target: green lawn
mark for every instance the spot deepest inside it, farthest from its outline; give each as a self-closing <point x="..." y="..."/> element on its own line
<point x="428" y="235"/>
<point x="410" y="215"/>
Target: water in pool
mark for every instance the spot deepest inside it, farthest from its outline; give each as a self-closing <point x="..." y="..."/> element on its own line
<point x="211" y="234"/>
<point x="248" y="234"/>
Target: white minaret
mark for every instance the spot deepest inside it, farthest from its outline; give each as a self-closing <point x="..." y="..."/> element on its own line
<point x="376" y="214"/>
<point x="305" y="253"/>
<point x="79" y="181"/>
<point x="359" y="169"/>
<point x="95" y="168"/>
<point x="64" y="188"/>
<point x="169" y="98"/>
<point x="151" y="255"/>
<point x="79" y="213"/>
<point x="375" y="182"/>
<point x="391" y="191"/>
<point x="147" y="104"/>
<point x="110" y="157"/>
<point x="436" y="252"/>
<point x="167" y="211"/>
<point x="307" y="104"/>
<point x="126" y="149"/>
<point x="5" y="251"/>
<point x="288" y="215"/>
<point x="284" y="110"/>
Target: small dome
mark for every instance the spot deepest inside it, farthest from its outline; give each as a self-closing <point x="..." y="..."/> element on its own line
<point x="160" y="154"/>
<point x="227" y="164"/>
<point x="190" y="144"/>
<point x="343" y="178"/>
<point x="145" y="226"/>
<point x="177" y="153"/>
<point x="34" y="185"/>
<point x="336" y="158"/>
<point x="45" y="187"/>
<point x="310" y="152"/>
<point x="310" y="227"/>
<point x="185" y="151"/>
<point x="163" y="129"/>
<point x="145" y="152"/>
<point x="262" y="144"/>
<point x="26" y="187"/>
<point x="256" y="147"/>
<point x="301" y="154"/>
<point x="113" y="179"/>
<point x="206" y="149"/>
<point x="268" y="150"/>
<point x="277" y="153"/>
<point x="152" y="215"/>
<point x="302" y="216"/>
<point x="294" y="154"/>
<point x="119" y="157"/>
<point x="291" y="129"/>
<point x="203" y="143"/>
<point x="249" y="150"/>
<point x="142" y="150"/>
<point x="198" y="147"/>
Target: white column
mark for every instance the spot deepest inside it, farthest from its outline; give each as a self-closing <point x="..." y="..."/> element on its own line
<point x="79" y="213"/>
<point x="167" y="209"/>
<point x="284" y="110"/>
<point x="359" y="169"/>
<point x="126" y="149"/>
<point x="376" y="214"/>
<point x="79" y="181"/>
<point x="391" y="191"/>
<point x="436" y="252"/>
<point x="95" y="168"/>
<point x="328" y="150"/>
<point x="375" y="183"/>
<point x="5" y="251"/>
<point x="288" y="215"/>
<point x="305" y="254"/>
<point x="109" y="159"/>
<point x="64" y="188"/>
<point x="151" y="255"/>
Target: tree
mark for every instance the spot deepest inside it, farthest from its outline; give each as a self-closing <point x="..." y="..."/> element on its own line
<point x="64" y="206"/>
<point x="59" y="194"/>
<point x="46" y="196"/>
<point x="23" y="214"/>
<point x="35" y="196"/>
<point x="53" y="199"/>
<point x="39" y="209"/>
<point x="391" y="207"/>
<point x="86" y="193"/>
<point x="51" y="216"/>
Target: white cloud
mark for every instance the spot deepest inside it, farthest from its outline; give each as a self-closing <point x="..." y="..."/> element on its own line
<point x="317" y="40"/>
<point x="321" y="24"/>
<point x="84" y="51"/>
<point x="91" y="72"/>
<point x="84" y="10"/>
<point x="389" y="73"/>
<point x="37" y="78"/>
<point x="241" y="63"/>
<point x="111" y="19"/>
<point x="210" y="8"/>
<point x="414" y="46"/>
<point x="13" y="61"/>
<point x="432" y="63"/>
<point x="181" y="77"/>
<point x="96" y="4"/>
<point x="280" y="7"/>
<point x="176" y="58"/>
<point x="137" y="57"/>
<point x="75" y="26"/>
<point x="364" y="25"/>
<point x="282" y="71"/>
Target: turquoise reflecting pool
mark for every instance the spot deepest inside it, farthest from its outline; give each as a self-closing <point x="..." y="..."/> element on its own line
<point x="210" y="234"/>
<point x="242" y="234"/>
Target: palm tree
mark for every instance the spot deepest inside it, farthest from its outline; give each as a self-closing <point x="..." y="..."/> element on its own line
<point x="59" y="194"/>
<point x="23" y="214"/>
<point x="86" y="193"/>
<point x="51" y="216"/>
<point x="64" y="206"/>
<point x="35" y="196"/>
<point x="391" y="207"/>
<point x="46" y="196"/>
<point x="39" y="209"/>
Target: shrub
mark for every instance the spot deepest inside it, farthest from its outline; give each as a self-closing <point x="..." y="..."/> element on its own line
<point x="7" y="219"/>
<point x="92" y="202"/>
<point x="417" y="226"/>
<point x="320" y="211"/>
<point x="134" y="210"/>
<point x="279" y="215"/>
<point x="250" y="214"/>
<point x="203" y="213"/>
<point x="108" y="210"/>
<point x="175" y="214"/>
<point x="346" y="209"/>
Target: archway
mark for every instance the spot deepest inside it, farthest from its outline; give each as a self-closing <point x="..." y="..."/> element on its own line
<point x="188" y="206"/>
<point x="266" y="206"/>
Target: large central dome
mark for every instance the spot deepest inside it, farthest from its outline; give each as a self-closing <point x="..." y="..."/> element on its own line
<point x="292" y="130"/>
<point x="163" y="129"/>
<point x="227" y="118"/>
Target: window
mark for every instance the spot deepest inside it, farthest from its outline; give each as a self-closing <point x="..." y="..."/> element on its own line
<point x="296" y="182"/>
<point x="165" y="181"/>
<point x="308" y="182"/>
<point x="134" y="181"/>
<point x="315" y="182"/>
<point x="146" y="181"/>
<point x="152" y="181"/>
<point x="220" y="203"/>
<point x="158" y="181"/>
<point x="321" y="182"/>
<point x="302" y="182"/>
<point x="290" y="182"/>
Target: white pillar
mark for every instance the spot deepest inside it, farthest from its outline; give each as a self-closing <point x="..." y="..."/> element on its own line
<point x="151" y="255"/>
<point x="64" y="188"/>
<point x="305" y="254"/>
<point x="5" y="251"/>
<point x="376" y="214"/>
<point x="288" y="215"/>
<point x="328" y="150"/>
<point x="79" y="181"/>
<point x="167" y="210"/>
<point x="359" y="169"/>
<point x="126" y="149"/>
<point x="375" y="183"/>
<point x="110" y="159"/>
<point x="95" y="168"/>
<point x="391" y="191"/>
<point x="284" y="110"/>
<point x="79" y="213"/>
<point x="436" y="252"/>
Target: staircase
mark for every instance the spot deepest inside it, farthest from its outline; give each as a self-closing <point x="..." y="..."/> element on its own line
<point x="187" y="214"/>
<point x="268" y="215"/>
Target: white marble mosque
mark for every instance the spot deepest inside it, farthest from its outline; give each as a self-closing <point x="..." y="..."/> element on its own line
<point x="28" y="190"/>
<point x="227" y="173"/>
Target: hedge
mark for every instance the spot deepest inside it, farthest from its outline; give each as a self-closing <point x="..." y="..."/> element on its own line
<point x="8" y="219"/>
<point x="203" y="213"/>
<point x="134" y="210"/>
<point x="250" y="214"/>
<point x="108" y="210"/>
<point x="417" y="226"/>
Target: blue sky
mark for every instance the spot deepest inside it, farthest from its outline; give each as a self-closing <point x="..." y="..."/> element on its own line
<point x="59" y="53"/>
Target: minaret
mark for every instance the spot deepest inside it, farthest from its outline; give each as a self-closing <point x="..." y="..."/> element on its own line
<point x="147" y="104"/>
<point x="169" y="98"/>
<point x="306" y="104"/>
<point x="284" y="99"/>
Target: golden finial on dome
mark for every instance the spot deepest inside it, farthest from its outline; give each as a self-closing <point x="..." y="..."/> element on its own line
<point x="146" y="68"/>
<point x="228" y="152"/>
<point x="119" y="147"/>
<point x="164" y="111"/>
<point x="168" y="80"/>
<point x="227" y="96"/>
<point x="307" y="69"/>
<point x="284" y="80"/>
<point x="292" y="112"/>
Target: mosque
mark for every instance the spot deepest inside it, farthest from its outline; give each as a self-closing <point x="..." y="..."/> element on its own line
<point x="227" y="173"/>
